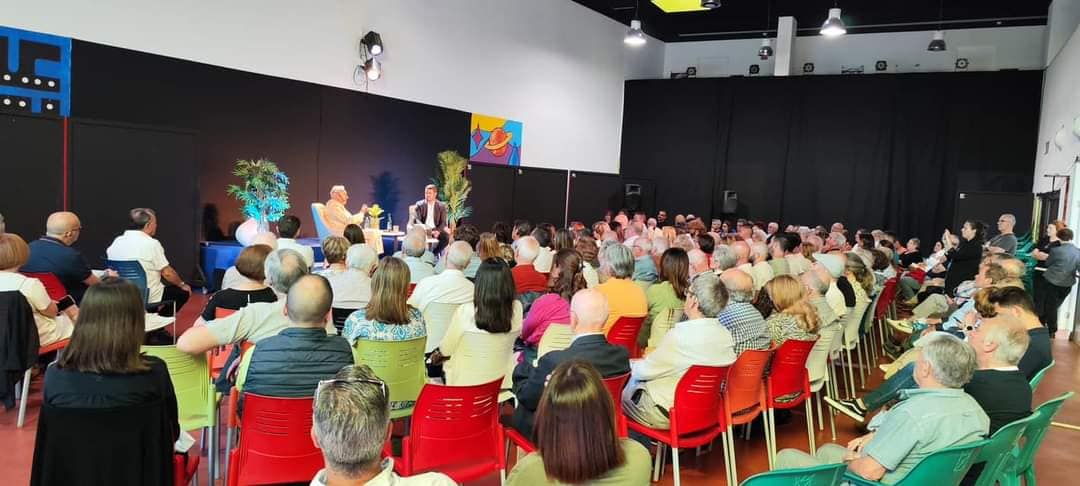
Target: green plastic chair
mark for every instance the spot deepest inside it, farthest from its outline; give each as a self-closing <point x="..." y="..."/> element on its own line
<point x="946" y="467"/>
<point x="398" y="363"/>
<point x="1022" y="461"/>
<point x="196" y="400"/>
<point x="994" y="454"/>
<point x="1035" y="380"/>
<point x="827" y="475"/>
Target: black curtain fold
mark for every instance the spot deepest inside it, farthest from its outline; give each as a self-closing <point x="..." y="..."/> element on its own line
<point x="875" y="151"/>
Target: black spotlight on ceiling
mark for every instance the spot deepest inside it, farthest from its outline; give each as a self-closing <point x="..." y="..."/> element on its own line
<point x="766" y="50"/>
<point x="937" y="43"/>
<point x="372" y="41"/>
<point x="710" y="3"/>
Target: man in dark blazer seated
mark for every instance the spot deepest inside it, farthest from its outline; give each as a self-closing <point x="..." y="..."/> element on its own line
<point x="432" y="213"/>
<point x="588" y="313"/>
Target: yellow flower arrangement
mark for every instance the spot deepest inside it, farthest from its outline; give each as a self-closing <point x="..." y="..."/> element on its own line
<point x="375" y="211"/>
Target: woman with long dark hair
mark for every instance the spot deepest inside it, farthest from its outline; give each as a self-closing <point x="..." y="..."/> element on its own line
<point x="576" y="438"/>
<point x="564" y="281"/>
<point x="494" y="319"/>
<point x="666" y="296"/>
<point x="964" y="258"/>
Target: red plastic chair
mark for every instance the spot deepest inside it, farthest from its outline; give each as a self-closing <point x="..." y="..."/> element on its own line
<point x="888" y="294"/>
<point x="183" y="473"/>
<point x="275" y="442"/>
<point x="625" y="333"/>
<point x="694" y="418"/>
<point x="455" y="430"/>
<point x="615" y="386"/>
<point x="53" y="286"/>
<point x="220" y="356"/>
<point x="412" y="287"/>
<point x="744" y="398"/>
<point x="788" y="376"/>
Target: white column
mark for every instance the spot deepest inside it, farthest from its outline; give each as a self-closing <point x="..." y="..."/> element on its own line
<point x="785" y="46"/>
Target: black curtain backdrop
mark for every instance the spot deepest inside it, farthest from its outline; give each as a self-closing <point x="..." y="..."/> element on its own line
<point x="876" y="151"/>
<point x="31" y="172"/>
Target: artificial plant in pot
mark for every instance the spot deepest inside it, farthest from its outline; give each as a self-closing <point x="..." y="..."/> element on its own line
<point x="453" y="186"/>
<point x="264" y="193"/>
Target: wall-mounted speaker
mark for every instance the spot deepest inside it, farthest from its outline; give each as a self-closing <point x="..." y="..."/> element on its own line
<point x="731" y="202"/>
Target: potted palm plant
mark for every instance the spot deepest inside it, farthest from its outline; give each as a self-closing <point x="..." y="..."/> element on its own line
<point x="264" y="193"/>
<point x="454" y="187"/>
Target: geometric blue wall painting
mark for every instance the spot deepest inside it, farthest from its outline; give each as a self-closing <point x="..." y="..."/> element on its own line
<point x="35" y="72"/>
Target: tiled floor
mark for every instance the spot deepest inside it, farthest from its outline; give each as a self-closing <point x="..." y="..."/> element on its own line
<point x="1056" y="462"/>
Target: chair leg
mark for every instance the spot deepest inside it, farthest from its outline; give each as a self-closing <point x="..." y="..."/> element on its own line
<point x="228" y="448"/>
<point x="810" y="432"/>
<point x="850" y="374"/>
<point x="656" y="461"/>
<point x="25" y="397"/>
<point x="675" y="463"/>
<point x="732" y="467"/>
<point x="770" y="437"/>
<point x="820" y="419"/>
<point x="859" y="349"/>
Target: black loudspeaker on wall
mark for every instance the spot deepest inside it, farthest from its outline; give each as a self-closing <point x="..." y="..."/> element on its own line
<point x="632" y="197"/>
<point x="731" y="202"/>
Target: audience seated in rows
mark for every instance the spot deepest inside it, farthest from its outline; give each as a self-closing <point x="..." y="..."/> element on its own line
<point x="700" y="340"/>
<point x="588" y="312"/>
<point x="449" y="287"/>
<point x="644" y="265"/>
<point x="739" y="317"/>
<point x="351" y="279"/>
<point x="354" y="234"/>
<point x="526" y="278"/>
<point x="625" y="299"/>
<point x="292" y="362"/>
<point x="138" y="243"/>
<point x="54" y="254"/>
<point x="586" y="247"/>
<point x="667" y="296"/>
<point x="788" y="314"/>
<point x="544" y="253"/>
<point x="468" y="234"/>
<point x="232" y="277"/>
<point x="937" y="415"/>
<point x="250" y="265"/>
<point x="576" y="438"/>
<point x="830" y="269"/>
<point x="414" y="251"/>
<point x="565" y="281"/>
<point x="350" y="424"/>
<point x="52" y="324"/>
<point x="288" y="231"/>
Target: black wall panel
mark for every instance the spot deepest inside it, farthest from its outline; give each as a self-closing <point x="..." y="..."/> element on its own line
<point x="148" y="167"/>
<point x="492" y="196"/>
<point x="593" y="193"/>
<point x="540" y="195"/>
<point x="31" y="172"/>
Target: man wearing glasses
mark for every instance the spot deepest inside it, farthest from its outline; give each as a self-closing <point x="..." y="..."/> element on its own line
<point x="350" y="424"/>
<point x="53" y="254"/>
<point x="1005" y="241"/>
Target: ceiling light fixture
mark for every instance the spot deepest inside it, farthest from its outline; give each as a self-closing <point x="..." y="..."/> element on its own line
<point x="373" y="42"/>
<point x="635" y="37"/>
<point x="937" y="42"/>
<point x="833" y="26"/>
<point x="373" y="69"/>
<point x="766" y="50"/>
<point x="710" y="4"/>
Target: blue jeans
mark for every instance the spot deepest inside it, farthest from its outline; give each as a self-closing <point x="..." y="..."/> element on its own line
<point x="890" y="389"/>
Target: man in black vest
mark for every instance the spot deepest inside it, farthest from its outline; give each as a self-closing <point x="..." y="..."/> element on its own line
<point x="293" y="362"/>
<point x="588" y="313"/>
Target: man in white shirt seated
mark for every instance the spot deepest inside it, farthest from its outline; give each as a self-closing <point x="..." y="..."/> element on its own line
<point x="428" y="257"/>
<point x="414" y="246"/>
<point x="545" y="256"/>
<point x="288" y="231"/>
<point x="257" y="320"/>
<point x="337" y="216"/>
<point x="138" y="244"/>
<point x="350" y="423"/>
<point x="701" y="340"/>
<point x="450" y="286"/>
<point x="470" y="235"/>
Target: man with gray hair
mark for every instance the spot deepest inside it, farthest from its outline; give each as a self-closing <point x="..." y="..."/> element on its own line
<point x="745" y="323"/>
<point x="414" y="246"/>
<point x="350" y="424"/>
<point x="724" y="258"/>
<point x="138" y="243"/>
<point x="760" y="269"/>
<point x="936" y="416"/>
<point x="450" y="286"/>
<point x="337" y="216"/>
<point x="644" y="265"/>
<point x="1005" y="241"/>
<point x="526" y="277"/>
<point x="352" y="288"/>
<point x="255" y="321"/>
<point x="815" y="295"/>
<point x="699" y="340"/>
<point x="699" y="261"/>
<point x="625" y="298"/>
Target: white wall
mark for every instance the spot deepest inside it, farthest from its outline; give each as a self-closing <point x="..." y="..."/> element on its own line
<point x="1060" y="109"/>
<point x="552" y="64"/>
<point x="986" y="49"/>
<point x="1063" y="16"/>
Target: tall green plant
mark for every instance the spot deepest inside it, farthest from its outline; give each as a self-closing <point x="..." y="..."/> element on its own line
<point x="264" y="193"/>
<point x="454" y="187"/>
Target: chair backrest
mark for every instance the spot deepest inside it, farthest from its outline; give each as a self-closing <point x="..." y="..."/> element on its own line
<point x="886" y="297"/>
<point x="339" y="316"/>
<point x="437" y="320"/>
<point x="788" y="373"/>
<point x="1035" y="432"/>
<point x="398" y="363"/>
<point x="868" y="314"/>
<point x="947" y="466"/>
<point x="744" y="389"/>
<point x="221" y="312"/>
<point x="827" y="475"/>
<point x="697" y="399"/>
<point x="318" y="211"/>
<point x="53" y="286"/>
<point x="851" y="322"/>
<point x="999" y="448"/>
<point x="190" y="376"/>
<point x="1035" y="380"/>
<point x="275" y="442"/>
<point x="615" y="385"/>
<point x="817" y="364"/>
<point x="556" y="337"/>
<point x="455" y="430"/>
<point x="132" y="271"/>
<point x="624" y="332"/>
<point x="412" y="287"/>
<point x="479" y="359"/>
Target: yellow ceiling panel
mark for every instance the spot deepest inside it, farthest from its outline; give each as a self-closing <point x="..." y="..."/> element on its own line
<point x="673" y="6"/>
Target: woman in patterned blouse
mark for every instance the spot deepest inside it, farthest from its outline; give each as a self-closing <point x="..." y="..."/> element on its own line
<point x="792" y="317"/>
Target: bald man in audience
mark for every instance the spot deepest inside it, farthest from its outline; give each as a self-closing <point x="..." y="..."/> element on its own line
<point x="745" y="323"/>
<point x="292" y="362"/>
<point x="699" y="262"/>
<point x="588" y="313"/>
<point x="53" y="254"/>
